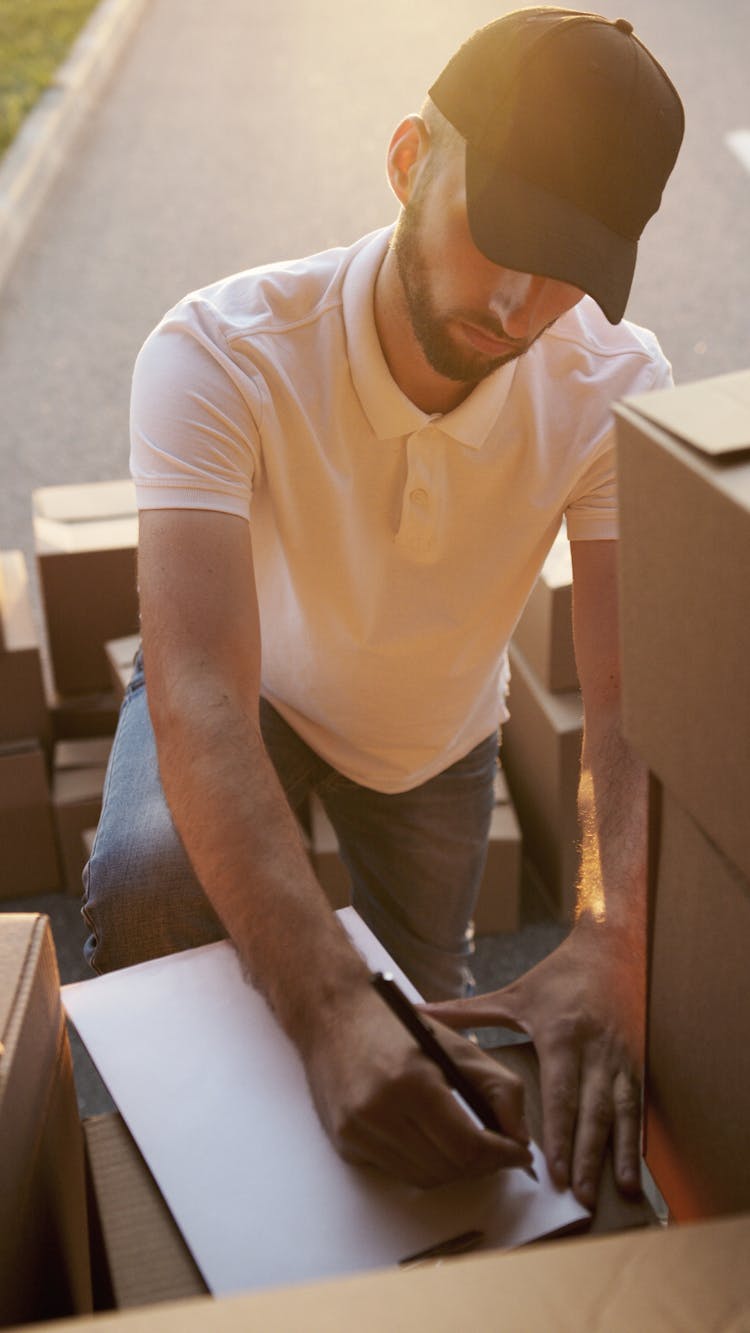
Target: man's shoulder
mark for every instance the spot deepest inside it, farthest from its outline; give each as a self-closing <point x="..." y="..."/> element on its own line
<point x="606" y="353"/>
<point x="272" y="297"/>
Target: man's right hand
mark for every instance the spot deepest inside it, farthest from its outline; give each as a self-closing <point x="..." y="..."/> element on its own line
<point x="384" y="1104"/>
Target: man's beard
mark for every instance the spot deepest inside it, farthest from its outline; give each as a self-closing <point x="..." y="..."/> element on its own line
<point x="464" y="364"/>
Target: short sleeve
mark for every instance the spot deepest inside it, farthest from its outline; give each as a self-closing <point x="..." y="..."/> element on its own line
<point x="591" y="514"/>
<point x="194" y="438"/>
<point x="591" y="511"/>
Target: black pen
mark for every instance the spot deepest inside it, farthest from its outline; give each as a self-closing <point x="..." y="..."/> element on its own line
<point x="423" y="1034"/>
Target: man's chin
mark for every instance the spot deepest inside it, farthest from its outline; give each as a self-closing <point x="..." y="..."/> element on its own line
<point x="467" y="368"/>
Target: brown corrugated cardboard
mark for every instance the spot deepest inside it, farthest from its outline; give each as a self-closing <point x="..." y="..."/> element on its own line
<point x="120" y="654"/>
<point x="694" y="1279"/>
<point x="544" y="634"/>
<point x="713" y="415"/>
<point x="83" y="752"/>
<point x="146" y="1258"/>
<point x="86" y="538"/>
<point x="77" y="716"/>
<point x="541" y="754"/>
<point x="77" y="804"/>
<point x="698" y="1062"/>
<point x="44" y="1259"/>
<point x="23" y="706"/>
<point x="685" y="597"/>
<point x="78" y="782"/>
<point x="498" y="904"/>
<point x="28" y="861"/>
<point x="93" y="501"/>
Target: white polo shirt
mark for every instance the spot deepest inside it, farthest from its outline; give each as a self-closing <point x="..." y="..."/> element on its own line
<point x="394" y="550"/>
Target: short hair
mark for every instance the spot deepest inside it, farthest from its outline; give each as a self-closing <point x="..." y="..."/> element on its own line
<point x="444" y="137"/>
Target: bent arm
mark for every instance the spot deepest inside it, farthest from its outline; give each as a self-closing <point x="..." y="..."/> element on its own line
<point x="584" y="1004"/>
<point x="202" y="653"/>
<point x="380" y="1100"/>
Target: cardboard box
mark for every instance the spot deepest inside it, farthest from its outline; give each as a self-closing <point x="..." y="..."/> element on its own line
<point x="498" y="905"/>
<point x="541" y="753"/>
<point x="684" y="487"/>
<point x="80" y="768"/>
<point x="79" y="716"/>
<point x="140" y="1254"/>
<point x="120" y="656"/>
<point x="544" y="634"/>
<point x="698" y="1052"/>
<point x="86" y="539"/>
<point x="89" y="502"/>
<point x="28" y="860"/>
<point x="23" y="706"/>
<point x="44" y="1252"/>
<point x="692" y="1279"/>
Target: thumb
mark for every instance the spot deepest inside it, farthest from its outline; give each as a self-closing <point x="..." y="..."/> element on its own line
<point x="496" y="1009"/>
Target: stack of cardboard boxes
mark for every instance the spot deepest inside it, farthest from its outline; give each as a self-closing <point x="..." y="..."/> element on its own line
<point x="29" y="859"/>
<point x="82" y="1223"/>
<point x="684" y="481"/>
<point x="85" y="539"/>
<point x="56" y="724"/>
<point x="541" y="748"/>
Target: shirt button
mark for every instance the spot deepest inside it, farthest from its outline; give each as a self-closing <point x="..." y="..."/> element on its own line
<point x="419" y="496"/>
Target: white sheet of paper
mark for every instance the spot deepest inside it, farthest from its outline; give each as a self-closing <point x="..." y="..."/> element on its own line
<point x="216" y="1098"/>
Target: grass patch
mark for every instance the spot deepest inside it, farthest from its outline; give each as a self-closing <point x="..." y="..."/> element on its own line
<point x="35" y="37"/>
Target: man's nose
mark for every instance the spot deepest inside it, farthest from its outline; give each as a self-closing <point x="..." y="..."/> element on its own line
<point x="516" y="307"/>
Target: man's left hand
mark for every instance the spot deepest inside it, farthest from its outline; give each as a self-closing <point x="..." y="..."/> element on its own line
<point x="583" y="1009"/>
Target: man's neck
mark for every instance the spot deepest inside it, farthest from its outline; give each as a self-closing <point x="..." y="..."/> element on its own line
<point x="429" y="391"/>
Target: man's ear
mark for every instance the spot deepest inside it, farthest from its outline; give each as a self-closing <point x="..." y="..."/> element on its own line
<point x="406" y="153"/>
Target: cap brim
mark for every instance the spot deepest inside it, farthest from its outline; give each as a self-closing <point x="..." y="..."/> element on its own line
<point x="521" y="226"/>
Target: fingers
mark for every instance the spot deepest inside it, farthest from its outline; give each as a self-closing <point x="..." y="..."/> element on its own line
<point x="593" y="1129"/>
<point x="586" y="1098"/>
<point x="414" y="1128"/>
<point x="496" y="1009"/>
<point x="559" y="1076"/>
<point x="627" y="1133"/>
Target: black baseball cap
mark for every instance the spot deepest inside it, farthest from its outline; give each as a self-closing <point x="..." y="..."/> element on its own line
<point x="572" y="129"/>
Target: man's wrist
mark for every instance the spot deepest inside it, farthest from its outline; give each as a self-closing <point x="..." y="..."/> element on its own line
<point x="620" y="935"/>
<point x="312" y="1006"/>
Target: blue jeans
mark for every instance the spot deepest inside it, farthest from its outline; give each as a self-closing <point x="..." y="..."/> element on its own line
<point x="415" y="858"/>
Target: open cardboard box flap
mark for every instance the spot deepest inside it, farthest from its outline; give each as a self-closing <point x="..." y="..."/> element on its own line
<point x="712" y="415"/>
<point x="691" y="1278"/>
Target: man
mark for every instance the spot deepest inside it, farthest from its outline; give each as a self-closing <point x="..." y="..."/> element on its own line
<point x="361" y="460"/>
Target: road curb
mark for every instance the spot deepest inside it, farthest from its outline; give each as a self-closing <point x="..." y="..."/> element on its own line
<point x="39" y="150"/>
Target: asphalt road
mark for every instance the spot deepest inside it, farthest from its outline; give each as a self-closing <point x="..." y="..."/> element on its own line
<point x="238" y="132"/>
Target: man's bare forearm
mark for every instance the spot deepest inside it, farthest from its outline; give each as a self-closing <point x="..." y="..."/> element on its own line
<point x="611" y="899"/>
<point x="246" y="849"/>
<point x="612" y="806"/>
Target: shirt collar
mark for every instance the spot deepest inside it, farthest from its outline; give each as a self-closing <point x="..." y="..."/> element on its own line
<point x="390" y="413"/>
